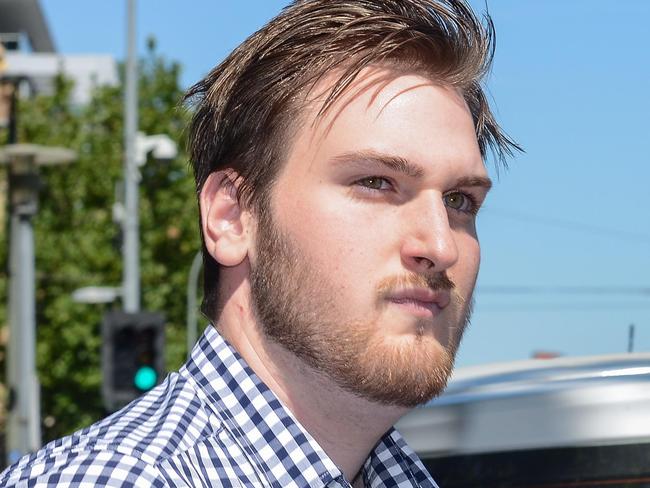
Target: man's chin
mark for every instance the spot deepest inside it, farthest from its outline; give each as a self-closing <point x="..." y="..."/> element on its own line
<point x="401" y="330"/>
<point x="401" y="371"/>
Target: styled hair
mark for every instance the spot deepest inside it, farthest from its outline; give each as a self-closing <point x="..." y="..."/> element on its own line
<point x="246" y="106"/>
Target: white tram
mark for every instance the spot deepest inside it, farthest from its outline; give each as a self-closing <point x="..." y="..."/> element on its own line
<point x="564" y="422"/>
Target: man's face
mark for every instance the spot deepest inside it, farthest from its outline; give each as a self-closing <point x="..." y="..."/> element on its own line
<point x="365" y="264"/>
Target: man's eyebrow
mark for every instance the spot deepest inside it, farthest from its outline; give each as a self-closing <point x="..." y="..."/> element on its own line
<point x="394" y="163"/>
<point x="481" y="181"/>
<point x="404" y="166"/>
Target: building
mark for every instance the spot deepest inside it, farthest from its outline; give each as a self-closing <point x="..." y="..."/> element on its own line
<point x="30" y="54"/>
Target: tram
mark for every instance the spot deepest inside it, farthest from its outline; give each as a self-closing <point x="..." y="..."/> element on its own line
<point x="563" y="422"/>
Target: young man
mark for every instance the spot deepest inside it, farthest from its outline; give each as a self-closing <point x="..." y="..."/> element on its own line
<point x="338" y="155"/>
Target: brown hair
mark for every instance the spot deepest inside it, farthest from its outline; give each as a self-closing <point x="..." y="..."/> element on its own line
<point x="245" y="105"/>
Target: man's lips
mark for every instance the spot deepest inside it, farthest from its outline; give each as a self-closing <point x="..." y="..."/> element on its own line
<point x="421" y="299"/>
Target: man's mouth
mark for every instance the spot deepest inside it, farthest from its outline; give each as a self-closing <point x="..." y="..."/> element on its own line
<point x="420" y="301"/>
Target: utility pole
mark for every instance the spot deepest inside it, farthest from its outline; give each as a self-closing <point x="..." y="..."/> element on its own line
<point x="130" y="223"/>
<point x="23" y="422"/>
<point x="630" y="338"/>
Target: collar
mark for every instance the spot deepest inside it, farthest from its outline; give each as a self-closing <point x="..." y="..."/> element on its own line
<point x="273" y="440"/>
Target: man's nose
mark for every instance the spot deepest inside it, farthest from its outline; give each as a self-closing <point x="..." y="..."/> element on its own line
<point x="429" y="243"/>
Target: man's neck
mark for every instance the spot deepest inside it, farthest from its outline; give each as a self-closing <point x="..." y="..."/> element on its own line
<point x="345" y="426"/>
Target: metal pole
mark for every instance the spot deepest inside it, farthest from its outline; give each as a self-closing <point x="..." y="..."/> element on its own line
<point x="630" y="338"/>
<point x="14" y="448"/>
<point x="192" y="288"/>
<point x="131" y="246"/>
<point x="23" y="412"/>
<point x="24" y="429"/>
<point x="29" y="403"/>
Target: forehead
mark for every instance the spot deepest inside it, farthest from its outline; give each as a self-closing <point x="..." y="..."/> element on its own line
<point x="402" y="114"/>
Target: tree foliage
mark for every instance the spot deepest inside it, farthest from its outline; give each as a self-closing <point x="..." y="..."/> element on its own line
<point x="77" y="242"/>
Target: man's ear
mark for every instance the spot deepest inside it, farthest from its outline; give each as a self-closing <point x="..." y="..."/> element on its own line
<point x="225" y="224"/>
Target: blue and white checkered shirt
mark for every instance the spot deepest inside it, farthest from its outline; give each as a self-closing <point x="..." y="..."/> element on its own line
<point x="214" y="423"/>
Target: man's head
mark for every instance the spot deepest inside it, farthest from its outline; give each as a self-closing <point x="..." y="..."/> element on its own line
<point x="353" y="133"/>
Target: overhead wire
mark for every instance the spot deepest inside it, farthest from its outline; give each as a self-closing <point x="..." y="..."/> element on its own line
<point x="563" y="290"/>
<point x="611" y="233"/>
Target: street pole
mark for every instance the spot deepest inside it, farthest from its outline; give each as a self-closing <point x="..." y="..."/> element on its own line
<point x="130" y="223"/>
<point x="23" y="419"/>
<point x="630" y="338"/>
<point x="24" y="429"/>
<point x="14" y="444"/>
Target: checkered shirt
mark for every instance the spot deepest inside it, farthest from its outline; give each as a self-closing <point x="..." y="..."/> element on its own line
<point x="214" y="423"/>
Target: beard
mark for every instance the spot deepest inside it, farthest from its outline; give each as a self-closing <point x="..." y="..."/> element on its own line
<point x="296" y="307"/>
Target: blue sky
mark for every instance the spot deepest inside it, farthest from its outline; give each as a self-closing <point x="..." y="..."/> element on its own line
<point x="569" y="221"/>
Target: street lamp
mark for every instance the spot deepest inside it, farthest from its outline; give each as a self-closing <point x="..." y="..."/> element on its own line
<point x="161" y="147"/>
<point x="96" y="294"/>
<point x="23" y="162"/>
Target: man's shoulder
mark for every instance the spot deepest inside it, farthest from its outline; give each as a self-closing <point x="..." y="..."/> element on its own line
<point x="127" y="447"/>
<point x="82" y="465"/>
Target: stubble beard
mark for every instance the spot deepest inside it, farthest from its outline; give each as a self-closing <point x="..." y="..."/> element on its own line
<point x="296" y="308"/>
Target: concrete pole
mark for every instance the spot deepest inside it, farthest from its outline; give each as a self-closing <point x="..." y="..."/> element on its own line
<point x="24" y="427"/>
<point x="29" y="402"/>
<point x="23" y="412"/>
<point x="130" y="223"/>
<point x="14" y="448"/>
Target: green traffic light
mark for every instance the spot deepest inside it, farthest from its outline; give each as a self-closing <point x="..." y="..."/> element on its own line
<point x="145" y="378"/>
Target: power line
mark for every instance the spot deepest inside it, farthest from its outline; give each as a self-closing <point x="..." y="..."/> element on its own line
<point x="619" y="234"/>
<point x="553" y="307"/>
<point x="563" y="290"/>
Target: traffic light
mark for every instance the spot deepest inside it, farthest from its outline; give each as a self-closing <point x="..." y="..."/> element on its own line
<point x="132" y="355"/>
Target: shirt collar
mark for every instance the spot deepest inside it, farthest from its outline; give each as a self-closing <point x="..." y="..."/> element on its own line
<point x="274" y="441"/>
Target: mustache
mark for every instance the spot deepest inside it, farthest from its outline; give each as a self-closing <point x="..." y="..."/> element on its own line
<point x="439" y="281"/>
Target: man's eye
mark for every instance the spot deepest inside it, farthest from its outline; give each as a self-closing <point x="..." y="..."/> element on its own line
<point x="460" y="201"/>
<point x="374" y="183"/>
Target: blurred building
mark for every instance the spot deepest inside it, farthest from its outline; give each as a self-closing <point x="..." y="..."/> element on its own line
<point x="22" y="29"/>
<point x="22" y="23"/>
<point x="30" y="53"/>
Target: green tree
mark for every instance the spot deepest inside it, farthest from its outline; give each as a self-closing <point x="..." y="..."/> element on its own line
<point x="77" y="243"/>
